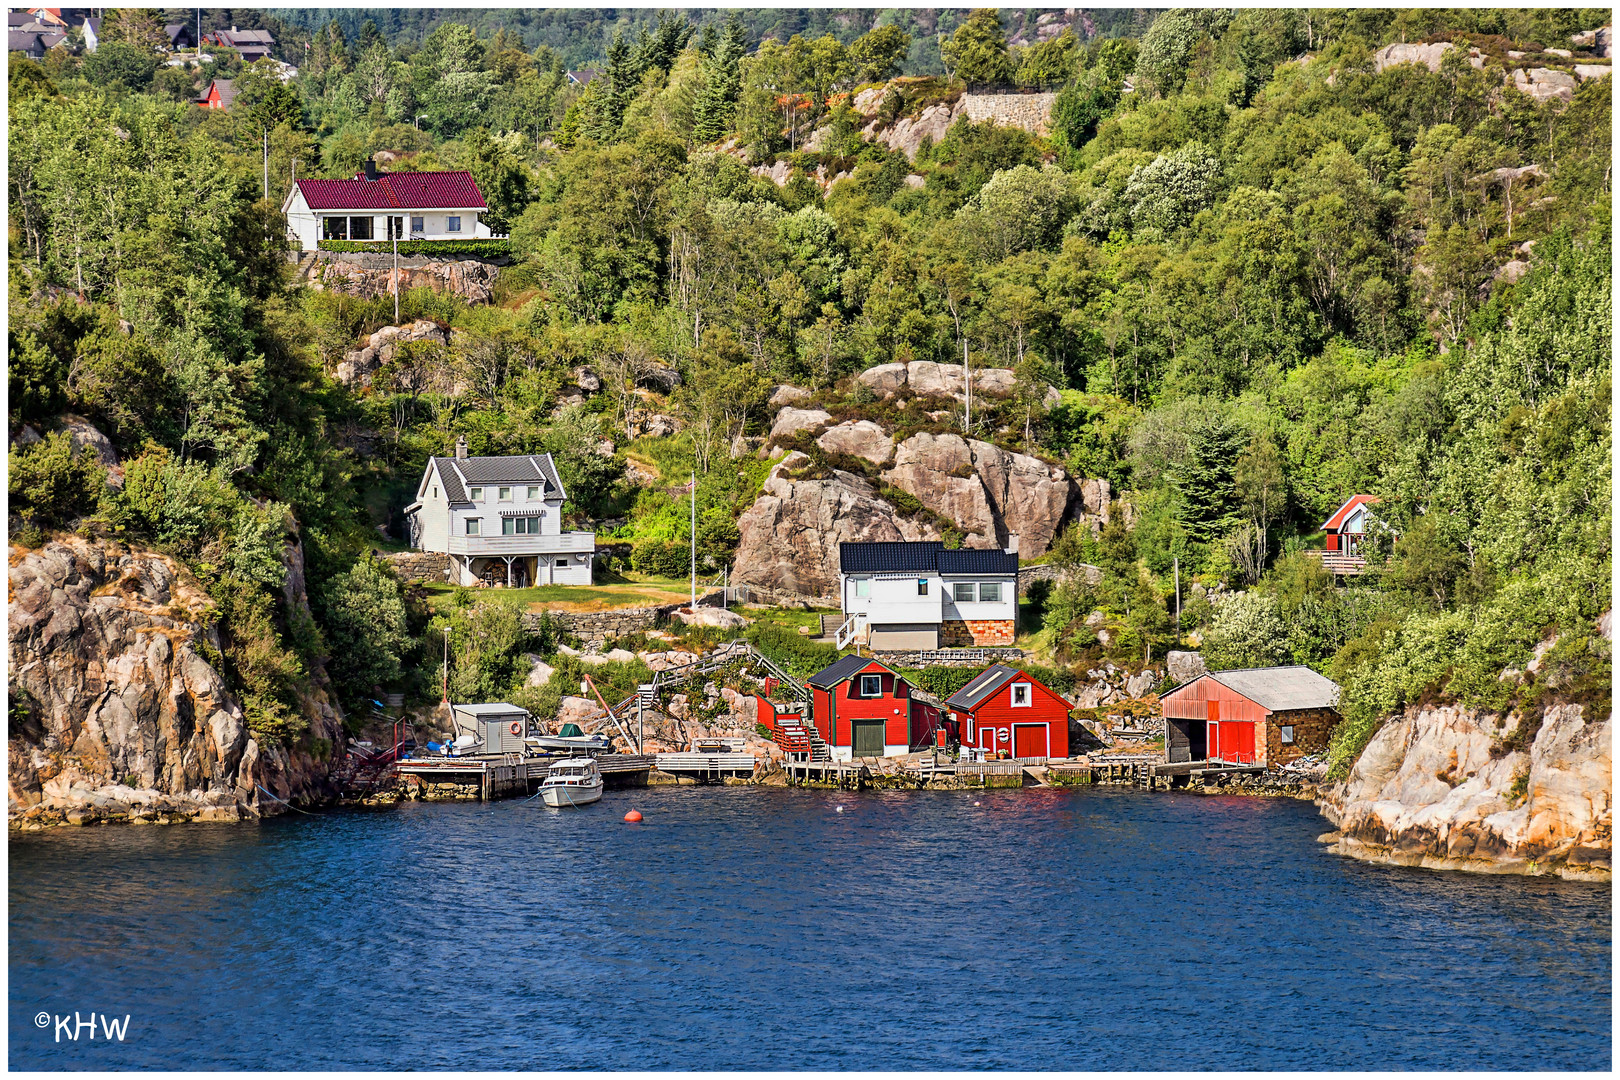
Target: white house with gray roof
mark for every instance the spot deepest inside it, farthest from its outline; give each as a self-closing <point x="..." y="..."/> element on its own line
<point x="499" y="519"/>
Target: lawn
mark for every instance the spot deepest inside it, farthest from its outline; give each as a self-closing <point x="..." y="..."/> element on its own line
<point x="568" y="597"/>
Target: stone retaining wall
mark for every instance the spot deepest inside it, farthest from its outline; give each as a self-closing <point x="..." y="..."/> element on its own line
<point x="1032" y="112"/>
<point x="426" y="565"/>
<point x="932" y="658"/>
<point x="1054" y="573"/>
<point x="594" y="627"/>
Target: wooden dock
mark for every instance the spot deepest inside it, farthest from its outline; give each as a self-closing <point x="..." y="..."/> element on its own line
<point x="921" y="771"/>
<point x="706" y="767"/>
<point x="496" y="776"/>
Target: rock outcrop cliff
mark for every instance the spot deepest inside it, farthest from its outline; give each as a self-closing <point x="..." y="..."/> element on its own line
<point x="790" y="536"/>
<point x="1437" y="788"/>
<point x="118" y="711"/>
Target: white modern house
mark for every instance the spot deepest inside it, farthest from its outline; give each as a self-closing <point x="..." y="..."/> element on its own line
<point x="378" y="207"/>
<point x="499" y="519"/>
<point x="920" y="595"/>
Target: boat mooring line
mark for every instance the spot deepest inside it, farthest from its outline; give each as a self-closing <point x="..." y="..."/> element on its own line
<point x="284" y="802"/>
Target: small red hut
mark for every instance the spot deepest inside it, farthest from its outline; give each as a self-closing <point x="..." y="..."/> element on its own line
<point x="1345" y="532"/>
<point x="1003" y="708"/>
<point x="1253" y="716"/>
<point x="862" y="708"/>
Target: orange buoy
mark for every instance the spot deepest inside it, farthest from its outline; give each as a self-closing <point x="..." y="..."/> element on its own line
<point x="634" y="815"/>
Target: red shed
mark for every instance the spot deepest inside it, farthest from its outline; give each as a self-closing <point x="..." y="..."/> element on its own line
<point x="1251" y="716"/>
<point x="1346" y="531"/>
<point x="1003" y="708"/>
<point x="862" y="708"/>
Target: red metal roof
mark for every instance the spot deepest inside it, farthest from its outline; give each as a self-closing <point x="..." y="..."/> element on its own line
<point x="1344" y="511"/>
<point x="396" y="191"/>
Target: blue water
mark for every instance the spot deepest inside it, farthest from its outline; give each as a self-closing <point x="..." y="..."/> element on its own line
<point x="741" y="928"/>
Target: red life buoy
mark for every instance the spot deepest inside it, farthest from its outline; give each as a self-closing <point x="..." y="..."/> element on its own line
<point x="517" y="727"/>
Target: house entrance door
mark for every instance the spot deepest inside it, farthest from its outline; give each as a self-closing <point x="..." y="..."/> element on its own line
<point x="1029" y="740"/>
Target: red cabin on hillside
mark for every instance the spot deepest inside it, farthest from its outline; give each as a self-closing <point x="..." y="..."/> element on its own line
<point x="1252" y="716"/>
<point x="862" y="708"/>
<point x="1005" y="709"/>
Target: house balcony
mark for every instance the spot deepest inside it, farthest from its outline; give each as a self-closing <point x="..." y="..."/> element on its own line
<point x="1338" y="563"/>
<point x="567" y="543"/>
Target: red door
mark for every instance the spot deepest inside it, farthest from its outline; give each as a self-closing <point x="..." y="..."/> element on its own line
<point x="1213" y="715"/>
<point x="1237" y="741"/>
<point x="987" y="737"/>
<point x="1029" y="740"/>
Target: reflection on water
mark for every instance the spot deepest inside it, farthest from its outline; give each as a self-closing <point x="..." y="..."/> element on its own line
<point x="743" y="928"/>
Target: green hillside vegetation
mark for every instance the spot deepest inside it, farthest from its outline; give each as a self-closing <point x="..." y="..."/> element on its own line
<point x="1264" y="277"/>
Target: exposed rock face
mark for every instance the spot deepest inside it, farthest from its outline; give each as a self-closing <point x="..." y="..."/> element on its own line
<point x="787" y="395"/>
<point x="936" y="380"/>
<point x="886" y="379"/>
<point x="1184" y="667"/>
<point x="791" y="421"/>
<point x="989" y="493"/>
<point x="790" y="536"/>
<point x="1544" y="83"/>
<point x="358" y="365"/>
<point x="928" y="379"/>
<point x="858" y="438"/>
<point x="126" y="715"/>
<point x="1427" y="55"/>
<point x="470" y="279"/>
<point x="1427" y="791"/>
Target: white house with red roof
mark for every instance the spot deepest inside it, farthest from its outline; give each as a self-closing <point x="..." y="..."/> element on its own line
<point x="377" y="207"/>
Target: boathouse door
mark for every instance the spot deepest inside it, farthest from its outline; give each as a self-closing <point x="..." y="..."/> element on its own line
<point x="1213" y="716"/>
<point x="1029" y="741"/>
<point x="867" y="737"/>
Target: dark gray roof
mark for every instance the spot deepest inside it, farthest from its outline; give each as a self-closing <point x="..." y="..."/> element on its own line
<point x="514" y="469"/>
<point x="16" y="20"/>
<point x="839" y="670"/>
<point x="977" y="561"/>
<point x="33" y="42"/>
<point x="920" y="556"/>
<point x="984" y="684"/>
<point x="1280" y="689"/>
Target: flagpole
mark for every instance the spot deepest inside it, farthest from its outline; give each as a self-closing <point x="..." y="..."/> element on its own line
<point x="694" y="541"/>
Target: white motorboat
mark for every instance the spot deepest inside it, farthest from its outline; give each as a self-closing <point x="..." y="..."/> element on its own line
<point x="570" y="738"/>
<point x="571" y="782"/>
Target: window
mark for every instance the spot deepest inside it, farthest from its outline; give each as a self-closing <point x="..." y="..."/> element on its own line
<point x="989" y="592"/>
<point x="452" y="224"/>
<point x="534" y="491"/>
<point x="1020" y="695"/>
<point x="871" y="686"/>
<point x="435" y="491"/>
<point x="418" y="224"/>
<point x="505" y="494"/>
<point x="396" y="228"/>
<point x="475" y="494"/>
<point x="962" y="592"/>
<point x="334" y="228"/>
<point x="360" y="228"/>
<point x="922" y="586"/>
<point x="472" y="526"/>
<point x="520" y="526"/>
<point x="863" y="587"/>
<point x="1287" y="734"/>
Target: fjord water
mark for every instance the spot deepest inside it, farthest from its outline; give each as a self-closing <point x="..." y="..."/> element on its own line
<point x="743" y="928"/>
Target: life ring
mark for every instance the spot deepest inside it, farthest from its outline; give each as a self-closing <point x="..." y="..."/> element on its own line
<point x="516" y="728"/>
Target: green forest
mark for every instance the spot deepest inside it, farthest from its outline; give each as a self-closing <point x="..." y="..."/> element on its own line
<point x="1264" y="275"/>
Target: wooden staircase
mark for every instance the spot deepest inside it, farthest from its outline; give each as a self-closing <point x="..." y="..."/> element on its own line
<point x="798" y="737"/>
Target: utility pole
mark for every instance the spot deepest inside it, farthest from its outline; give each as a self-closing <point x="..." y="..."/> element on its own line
<point x="694" y="541"/>
<point x="394" y="233"/>
<point x="446" y="699"/>
<point x="266" y="164"/>
<point x="967" y="381"/>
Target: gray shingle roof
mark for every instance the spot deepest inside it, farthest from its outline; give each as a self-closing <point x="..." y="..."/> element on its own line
<point x="984" y="684"/>
<point x="1280" y="689"/>
<point x="839" y="670"/>
<point x="513" y="469"/>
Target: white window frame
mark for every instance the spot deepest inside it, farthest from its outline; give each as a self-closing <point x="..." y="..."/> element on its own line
<point x="996" y="585"/>
<point x="863" y="588"/>
<point x="956" y="592"/>
<point x="475" y="494"/>
<point x="418" y="223"/>
<point x="1029" y="696"/>
<point x="504" y="494"/>
<point x="474" y="525"/>
<point x="877" y="681"/>
<point x="534" y="491"/>
<point x="452" y="223"/>
<point x="1288" y="734"/>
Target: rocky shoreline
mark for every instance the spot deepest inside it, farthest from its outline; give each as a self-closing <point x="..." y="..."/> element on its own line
<point x="1447" y="789"/>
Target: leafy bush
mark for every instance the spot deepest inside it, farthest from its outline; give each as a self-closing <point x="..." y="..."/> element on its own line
<point x="52" y="484"/>
<point x="364" y="613"/>
<point x="1248" y="632"/>
<point x="665" y="559"/>
<point x="796" y="653"/>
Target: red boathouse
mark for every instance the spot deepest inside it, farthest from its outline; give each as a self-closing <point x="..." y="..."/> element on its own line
<point x="862" y="708"/>
<point x="1003" y="708"/>
<point x="1252" y="716"/>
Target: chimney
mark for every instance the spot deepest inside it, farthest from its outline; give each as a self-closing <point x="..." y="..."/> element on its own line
<point x="371" y="169"/>
<point x="461" y="447"/>
<point x="233" y="29"/>
<point x="1012" y="544"/>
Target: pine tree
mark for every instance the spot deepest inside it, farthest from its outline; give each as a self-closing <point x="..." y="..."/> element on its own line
<point x="622" y="78"/>
<point x="722" y="82"/>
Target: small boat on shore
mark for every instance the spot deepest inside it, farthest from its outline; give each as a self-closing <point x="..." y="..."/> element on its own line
<point x="572" y="782"/>
<point x="570" y="738"/>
